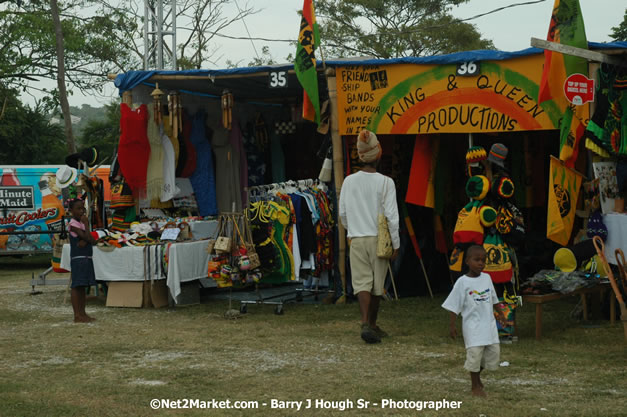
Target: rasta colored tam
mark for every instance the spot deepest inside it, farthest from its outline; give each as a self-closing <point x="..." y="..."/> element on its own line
<point x="368" y="147"/>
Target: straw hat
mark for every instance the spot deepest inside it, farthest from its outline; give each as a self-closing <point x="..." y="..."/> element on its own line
<point x="66" y="176"/>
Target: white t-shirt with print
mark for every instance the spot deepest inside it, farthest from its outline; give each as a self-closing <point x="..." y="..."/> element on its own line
<point x="474" y="298"/>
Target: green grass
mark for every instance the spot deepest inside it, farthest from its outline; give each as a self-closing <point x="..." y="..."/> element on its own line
<point x="115" y="366"/>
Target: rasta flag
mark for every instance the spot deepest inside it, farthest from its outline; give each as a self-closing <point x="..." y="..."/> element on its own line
<point x="305" y="62"/>
<point x="567" y="28"/>
<point x="420" y="190"/>
<point x="564" y="184"/>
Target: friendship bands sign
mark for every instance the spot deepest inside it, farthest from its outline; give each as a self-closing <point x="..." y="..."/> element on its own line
<point x="423" y="99"/>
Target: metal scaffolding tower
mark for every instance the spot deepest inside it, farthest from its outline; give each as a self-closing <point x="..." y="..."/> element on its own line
<point x="159" y="22"/>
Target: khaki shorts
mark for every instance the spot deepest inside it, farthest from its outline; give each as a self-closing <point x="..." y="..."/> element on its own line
<point x="368" y="271"/>
<point x="486" y="357"/>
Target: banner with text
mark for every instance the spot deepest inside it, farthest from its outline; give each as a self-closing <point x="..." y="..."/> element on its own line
<point x="499" y="96"/>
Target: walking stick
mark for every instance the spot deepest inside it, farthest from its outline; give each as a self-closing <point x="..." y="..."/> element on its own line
<point x="393" y="283"/>
<point x="600" y="247"/>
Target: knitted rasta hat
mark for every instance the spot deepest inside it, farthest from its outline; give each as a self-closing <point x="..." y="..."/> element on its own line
<point x="503" y="187"/>
<point x="475" y="154"/>
<point x="477" y="187"/>
<point x="498" y="153"/>
<point x="487" y="215"/>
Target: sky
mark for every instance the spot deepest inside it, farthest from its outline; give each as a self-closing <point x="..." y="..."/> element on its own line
<point x="510" y="30"/>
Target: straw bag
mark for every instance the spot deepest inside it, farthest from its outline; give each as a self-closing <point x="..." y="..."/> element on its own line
<point x="385" y="250"/>
<point x="223" y="243"/>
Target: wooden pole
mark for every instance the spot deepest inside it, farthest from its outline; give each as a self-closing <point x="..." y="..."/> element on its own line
<point x="338" y="172"/>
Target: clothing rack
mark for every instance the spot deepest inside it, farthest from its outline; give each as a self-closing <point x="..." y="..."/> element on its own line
<point x="292" y="295"/>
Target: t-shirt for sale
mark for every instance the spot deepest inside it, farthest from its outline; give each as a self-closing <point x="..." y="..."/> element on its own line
<point x="474" y="298"/>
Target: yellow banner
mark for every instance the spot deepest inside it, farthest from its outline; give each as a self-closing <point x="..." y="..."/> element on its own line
<point x="564" y="184"/>
<point x="423" y="99"/>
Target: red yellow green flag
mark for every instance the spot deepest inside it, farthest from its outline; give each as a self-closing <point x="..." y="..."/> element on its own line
<point x="305" y="62"/>
<point x="564" y="184"/>
<point x="420" y="190"/>
<point x="567" y="28"/>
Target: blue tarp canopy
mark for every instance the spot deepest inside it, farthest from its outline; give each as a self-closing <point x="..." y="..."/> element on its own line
<point x="253" y="87"/>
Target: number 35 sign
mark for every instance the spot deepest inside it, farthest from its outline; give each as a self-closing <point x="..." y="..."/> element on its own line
<point x="466" y="69"/>
<point x="277" y="79"/>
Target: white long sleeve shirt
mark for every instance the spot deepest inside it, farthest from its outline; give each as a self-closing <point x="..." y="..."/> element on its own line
<point x="360" y="203"/>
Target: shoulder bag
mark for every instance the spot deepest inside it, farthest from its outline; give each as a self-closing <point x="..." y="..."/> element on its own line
<point x="384" y="239"/>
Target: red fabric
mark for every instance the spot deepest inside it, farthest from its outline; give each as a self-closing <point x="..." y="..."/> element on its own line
<point x="190" y="160"/>
<point x="134" y="148"/>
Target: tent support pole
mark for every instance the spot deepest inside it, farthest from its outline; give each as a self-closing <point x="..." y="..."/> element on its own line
<point x="338" y="172"/>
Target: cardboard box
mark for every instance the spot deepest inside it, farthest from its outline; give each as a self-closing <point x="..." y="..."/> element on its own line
<point x="137" y="294"/>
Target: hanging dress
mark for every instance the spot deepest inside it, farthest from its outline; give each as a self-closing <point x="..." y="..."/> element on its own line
<point x="154" y="176"/>
<point x="134" y="148"/>
<point x="203" y="179"/>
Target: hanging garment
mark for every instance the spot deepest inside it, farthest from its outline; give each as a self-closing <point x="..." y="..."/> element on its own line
<point x="187" y="155"/>
<point x="169" y="189"/>
<point x="172" y="137"/>
<point x="255" y="161"/>
<point x="154" y="176"/>
<point x="134" y="148"/>
<point x="203" y="179"/>
<point x="239" y="156"/>
<point x="227" y="172"/>
<point x="278" y="159"/>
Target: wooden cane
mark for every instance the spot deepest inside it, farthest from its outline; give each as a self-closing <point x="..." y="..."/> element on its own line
<point x="392" y="279"/>
<point x="600" y="247"/>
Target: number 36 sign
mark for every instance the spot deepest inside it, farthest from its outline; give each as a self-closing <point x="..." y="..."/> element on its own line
<point x="470" y="68"/>
<point x="277" y="79"/>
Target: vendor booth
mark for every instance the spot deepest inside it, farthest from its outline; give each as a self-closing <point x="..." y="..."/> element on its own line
<point x="201" y="144"/>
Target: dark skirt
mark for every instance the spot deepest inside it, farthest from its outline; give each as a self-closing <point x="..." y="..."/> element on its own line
<point x="83" y="272"/>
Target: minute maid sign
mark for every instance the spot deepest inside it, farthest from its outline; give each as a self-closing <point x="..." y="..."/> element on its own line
<point x="410" y="98"/>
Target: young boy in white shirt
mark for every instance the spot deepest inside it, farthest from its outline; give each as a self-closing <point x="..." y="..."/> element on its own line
<point x="473" y="296"/>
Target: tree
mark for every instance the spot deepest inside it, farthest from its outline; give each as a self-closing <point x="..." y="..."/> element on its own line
<point x="92" y="46"/>
<point x="619" y="33"/>
<point x="65" y="106"/>
<point x="104" y="133"/>
<point x="26" y="137"/>
<point x="394" y="28"/>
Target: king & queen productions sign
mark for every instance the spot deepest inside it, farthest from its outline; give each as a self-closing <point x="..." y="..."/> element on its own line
<point x="18" y="197"/>
<point x="422" y="99"/>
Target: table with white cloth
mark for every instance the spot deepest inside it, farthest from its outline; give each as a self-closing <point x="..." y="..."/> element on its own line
<point x="187" y="262"/>
<point x="616" y="224"/>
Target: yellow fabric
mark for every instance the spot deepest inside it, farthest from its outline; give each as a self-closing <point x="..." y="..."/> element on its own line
<point x="564" y="260"/>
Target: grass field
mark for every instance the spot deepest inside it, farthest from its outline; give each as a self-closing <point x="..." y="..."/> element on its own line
<point x="116" y="365"/>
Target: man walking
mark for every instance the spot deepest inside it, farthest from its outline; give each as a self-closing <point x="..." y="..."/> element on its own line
<point x="364" y="195"/>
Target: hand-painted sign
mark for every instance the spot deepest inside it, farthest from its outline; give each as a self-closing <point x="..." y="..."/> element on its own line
<point x="410" y="99"/>
<point x="579" y="89"/>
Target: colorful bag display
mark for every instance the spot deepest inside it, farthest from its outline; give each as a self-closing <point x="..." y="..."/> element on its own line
<point x="468" y="228"/>
<point x="498" y="261"/>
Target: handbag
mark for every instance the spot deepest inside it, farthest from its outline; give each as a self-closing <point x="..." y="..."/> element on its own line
<point x="121" y="195"/>
<point x="468" y="228"/>
<point x="384" y="239"/>
<point x="223" y="243"/>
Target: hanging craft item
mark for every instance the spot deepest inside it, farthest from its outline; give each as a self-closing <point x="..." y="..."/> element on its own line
<point x="227" y="109"/>
<point x="156" y="102"/>
<point x="261" y="133"/>
<point x="223" y="242"/>
<point x="285" y="128"/>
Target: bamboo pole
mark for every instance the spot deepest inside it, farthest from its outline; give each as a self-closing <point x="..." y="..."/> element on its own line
<point x="338" y="172"/>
